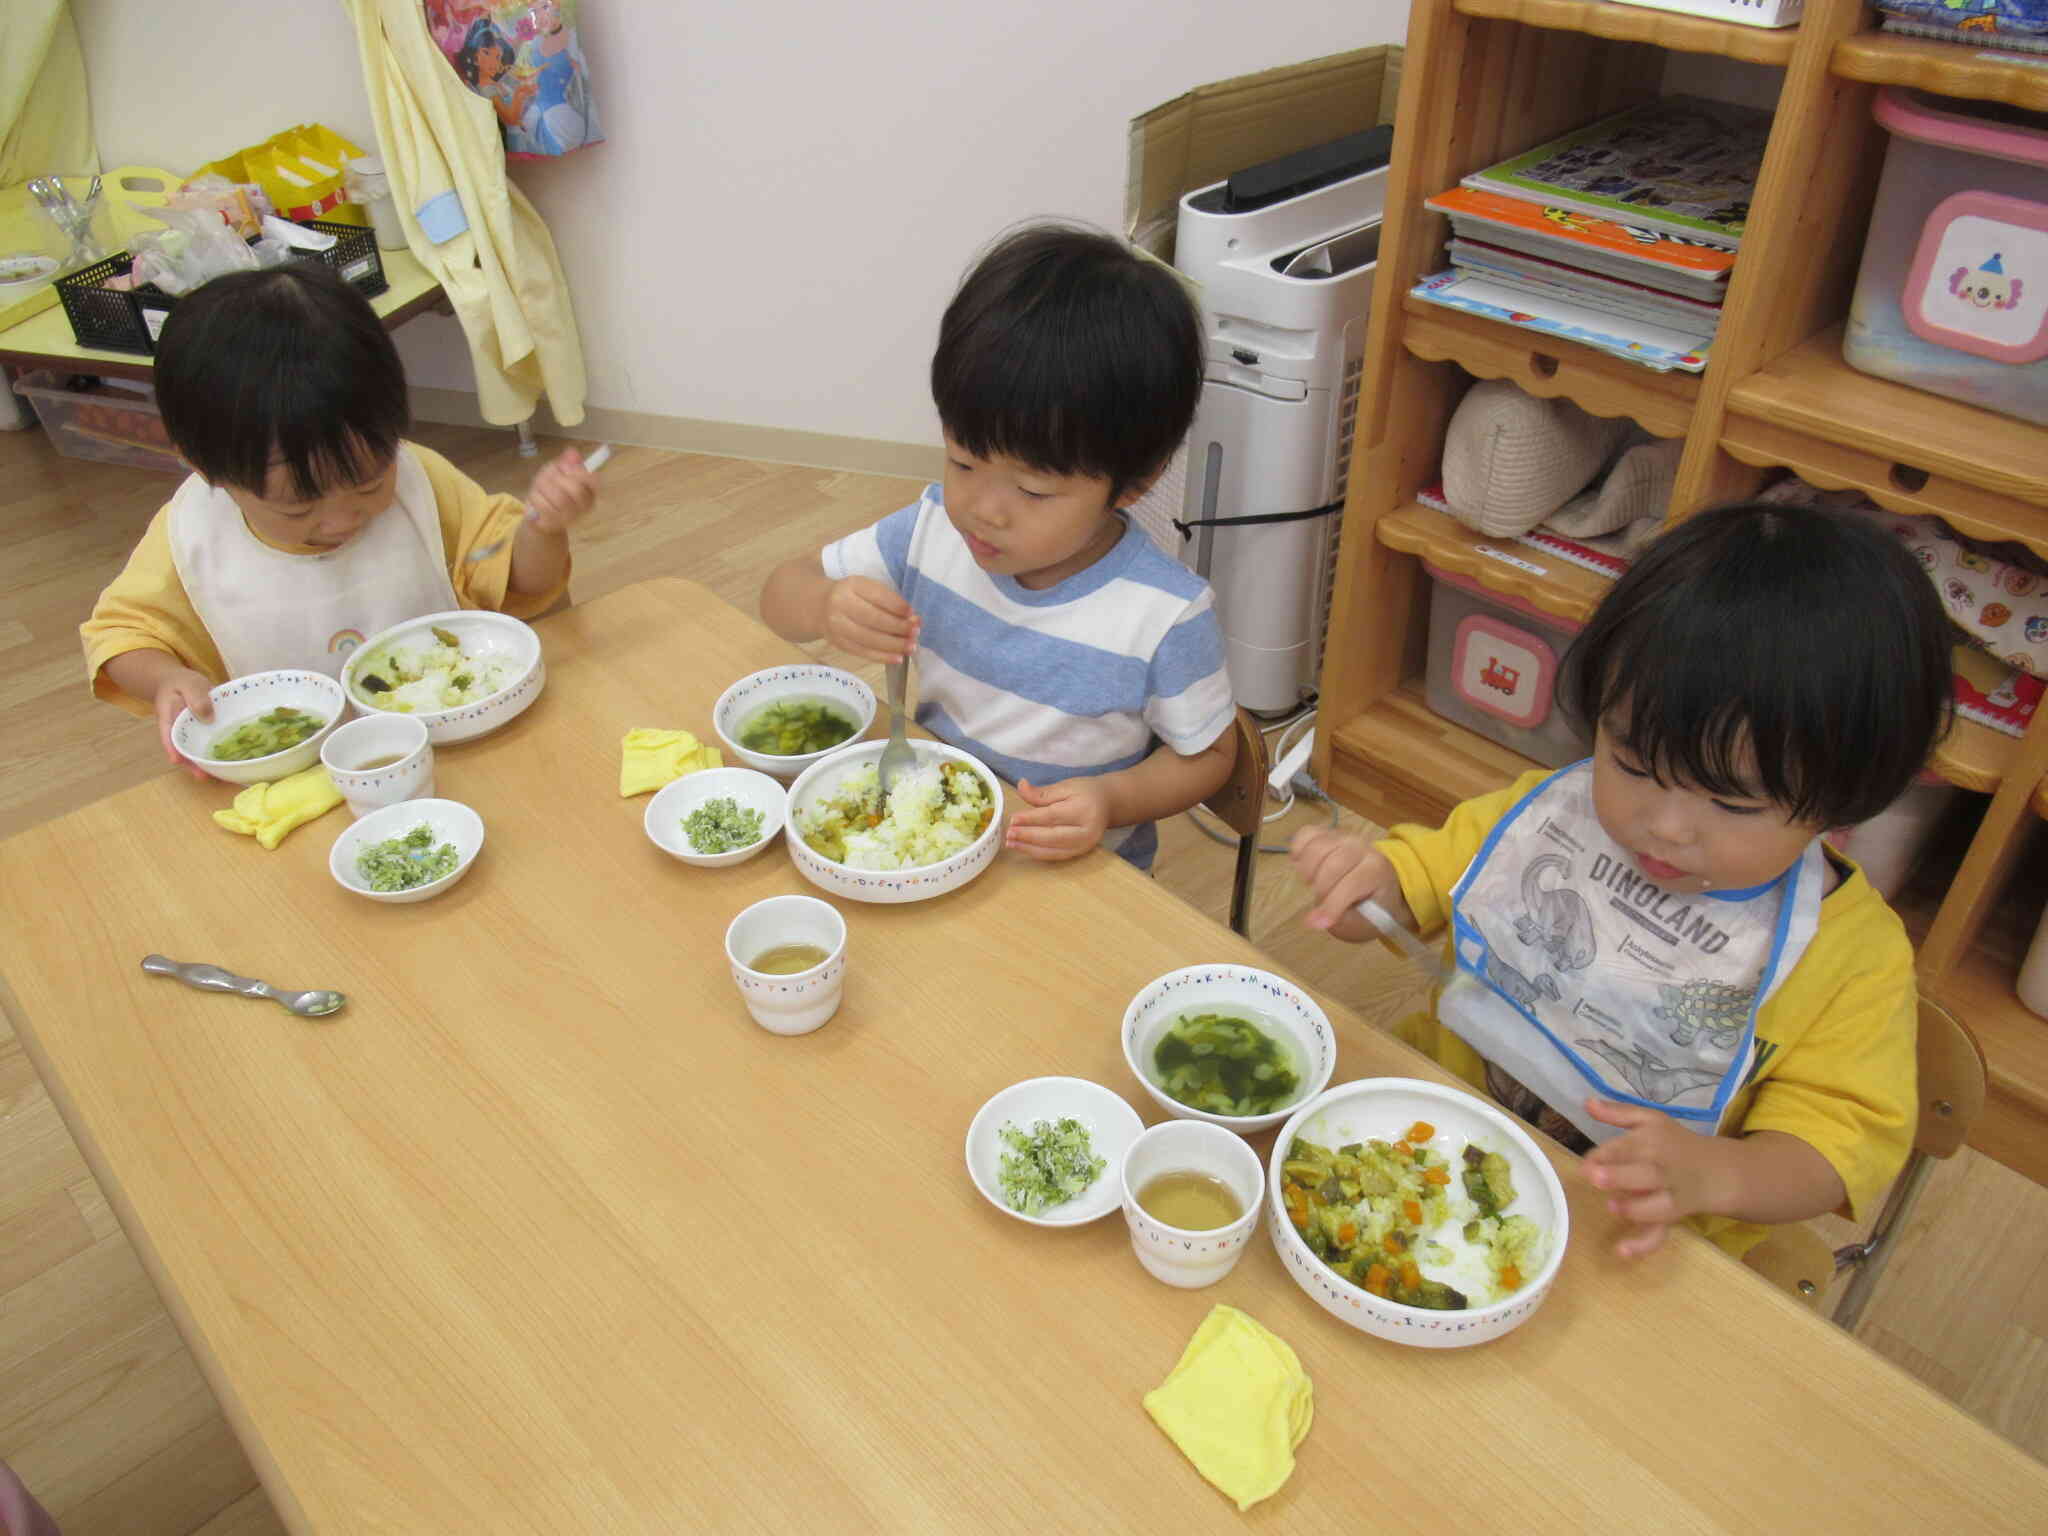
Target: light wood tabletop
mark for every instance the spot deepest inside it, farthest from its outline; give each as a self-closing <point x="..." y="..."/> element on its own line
<point x="543" y="1234"/>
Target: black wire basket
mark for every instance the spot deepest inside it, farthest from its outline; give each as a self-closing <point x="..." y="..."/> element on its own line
<point x="129" y="320"/>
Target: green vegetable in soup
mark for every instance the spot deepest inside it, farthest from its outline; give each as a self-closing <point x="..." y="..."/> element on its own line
<point x="721" y="825"/>
<point x="273" y="732"/>
<point x="792" y="727"/>
<point x="1224" y="1065"/>
<point x="407" y="862"/>
<point x="1047" y="1165"/>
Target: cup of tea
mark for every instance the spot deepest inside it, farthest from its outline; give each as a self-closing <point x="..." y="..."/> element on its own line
<point x="1191" y="1194"/>
<point x="788" y="957"/>
<point x="380" y="760"/>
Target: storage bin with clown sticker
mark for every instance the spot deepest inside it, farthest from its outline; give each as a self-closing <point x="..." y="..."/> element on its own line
<point x="1953" y="293"/>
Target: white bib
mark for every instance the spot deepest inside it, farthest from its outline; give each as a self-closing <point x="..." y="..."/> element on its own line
<point x="1579" y="975"/>
<point x="267" y="609"/>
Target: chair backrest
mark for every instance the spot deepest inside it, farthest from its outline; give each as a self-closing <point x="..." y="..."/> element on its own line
<point x="1952" y="1081"/>
<point x="1240" y="804"/>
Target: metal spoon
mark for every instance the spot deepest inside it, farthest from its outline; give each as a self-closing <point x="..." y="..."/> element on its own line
<point x="1417" y="949"/>
<point x="313" y="1004"/>
<point x="594" y="463"/>
<point x="897" y="758"/>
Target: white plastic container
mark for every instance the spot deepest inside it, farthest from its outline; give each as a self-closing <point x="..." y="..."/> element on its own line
<point x="1887" y="846"/>
<point x="1493" y="663"/>
<point x="2033" y="982"/>
<point x="1953" y="293"/>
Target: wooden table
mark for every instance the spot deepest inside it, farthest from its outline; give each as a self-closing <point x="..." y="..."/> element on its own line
<point x="45" y="340"/>
<point x="544" y="1235"/>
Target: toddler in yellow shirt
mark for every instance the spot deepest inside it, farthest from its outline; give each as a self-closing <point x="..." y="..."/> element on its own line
<point x="308" y="522"/>
<point x="1657" y="958"/>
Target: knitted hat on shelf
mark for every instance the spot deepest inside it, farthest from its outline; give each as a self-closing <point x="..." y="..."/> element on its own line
<point x="1636" y="489"/>
<point x="1510" y="459"/>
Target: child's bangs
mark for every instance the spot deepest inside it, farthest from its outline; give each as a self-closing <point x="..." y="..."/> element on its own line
<point x="1725" y="714"/>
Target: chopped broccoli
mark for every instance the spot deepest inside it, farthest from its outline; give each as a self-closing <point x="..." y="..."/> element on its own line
<point x="721" y="825"/>
<point x="1048" y="1165"/>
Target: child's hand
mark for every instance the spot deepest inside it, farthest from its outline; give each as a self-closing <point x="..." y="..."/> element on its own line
<point x="1064" y="821"/>
<point x="871" y="619"/>
<point x="182" y="689"/>
<point x="562" y="494"/>
<point x="1656" y="1175"/>
<point x="1341" y="870"/>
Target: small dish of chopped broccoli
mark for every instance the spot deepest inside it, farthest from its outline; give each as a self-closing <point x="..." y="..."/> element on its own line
<point x="411" y="851"/>
<point x="1050" y="1150"/>
<point x="716" y="816"/>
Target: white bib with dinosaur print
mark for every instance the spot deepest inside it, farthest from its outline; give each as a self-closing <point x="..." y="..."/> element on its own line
<point x="1581" y="976"/>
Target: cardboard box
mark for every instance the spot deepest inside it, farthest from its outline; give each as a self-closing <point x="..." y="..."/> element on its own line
<point x="1213" y="130"/>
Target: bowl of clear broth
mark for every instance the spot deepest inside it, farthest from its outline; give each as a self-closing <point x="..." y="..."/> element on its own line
<point x="784" y="719"/>
<point x="1231" y="1045"/>
<point x="265" y="726"/>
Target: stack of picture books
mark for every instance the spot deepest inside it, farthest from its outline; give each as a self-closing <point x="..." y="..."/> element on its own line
<point x="1621" y="235"/>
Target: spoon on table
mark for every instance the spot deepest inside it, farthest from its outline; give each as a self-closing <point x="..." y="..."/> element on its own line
<point x="897" y="758"/>
<point x="597" y="460"/>
<point x="315" y="1003"/>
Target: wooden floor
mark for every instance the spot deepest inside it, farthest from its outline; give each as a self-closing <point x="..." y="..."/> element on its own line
<point x="102" y="1409"/>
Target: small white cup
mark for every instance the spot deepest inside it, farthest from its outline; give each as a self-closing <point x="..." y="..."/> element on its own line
<point x="796" y="1004"/>
<point x="379" y="739"/>
<point x="1180" y="1257"/>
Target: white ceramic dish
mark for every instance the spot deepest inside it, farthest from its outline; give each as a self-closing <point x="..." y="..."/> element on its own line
<point x="244" y="699"/>
<point x="1112" y="1126"/>
<point x="674" y="801"/>
<point x="818" y="783"/>
<point x="805" y="680"/>
<point x="481" y="633"/>
<point x="1275" y="1004"/>
<point x="1384" y="1107"/>
<point x="452" y="822"/>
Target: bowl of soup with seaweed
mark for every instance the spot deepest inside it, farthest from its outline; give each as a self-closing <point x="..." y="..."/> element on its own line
<point x="1230" y="1044"/>
<point x="265" y="726"/>
<point x="782" y="720"/>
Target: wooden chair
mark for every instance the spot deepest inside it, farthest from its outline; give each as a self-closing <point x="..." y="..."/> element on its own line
<point x="1952" y="1086"/>
<point x="1240" y="804"/>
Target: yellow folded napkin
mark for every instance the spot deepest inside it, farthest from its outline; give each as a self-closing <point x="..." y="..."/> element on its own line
<point x="1237" y="1405"/>
<point x="267" y="812"/>
<point x="651" y="758"/>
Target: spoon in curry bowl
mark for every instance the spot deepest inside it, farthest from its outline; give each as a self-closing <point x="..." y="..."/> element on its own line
<point x="897" y="757"/>
<point x="597" y="460"/>
<point x="315" y="1003"/>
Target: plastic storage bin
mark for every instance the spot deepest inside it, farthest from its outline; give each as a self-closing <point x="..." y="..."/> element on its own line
<point x="1493" y="668"/>
<point x="1953" y="293"/>
<point x="105" y="422"/>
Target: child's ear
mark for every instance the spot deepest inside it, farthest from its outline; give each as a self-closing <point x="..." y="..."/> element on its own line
<point x="1134" y="492"/>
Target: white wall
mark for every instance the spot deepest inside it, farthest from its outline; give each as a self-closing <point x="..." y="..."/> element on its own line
<point x="789" y="192"/>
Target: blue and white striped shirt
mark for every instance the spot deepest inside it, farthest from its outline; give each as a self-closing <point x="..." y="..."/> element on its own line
<point x="1080" y="678"/>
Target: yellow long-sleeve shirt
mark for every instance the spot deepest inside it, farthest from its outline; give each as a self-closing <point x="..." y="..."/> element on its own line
<point x="1836" y="1043"/>
<point x="146" y="606"/>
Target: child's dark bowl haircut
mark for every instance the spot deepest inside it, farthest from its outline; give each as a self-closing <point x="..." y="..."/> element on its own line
<point x="288" y="366"/>
<point x="1789" y="652"/>
<point x="1068" y="352"/>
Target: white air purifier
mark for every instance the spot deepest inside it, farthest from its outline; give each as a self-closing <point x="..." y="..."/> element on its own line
<point x="1285" y="254"/>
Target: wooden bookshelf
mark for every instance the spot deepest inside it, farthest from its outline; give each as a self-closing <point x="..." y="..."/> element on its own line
<point x="1640" y="24"/>
<point x="1947" y="69"/>
<point x="1568" y="591"/>
<point x="1490" y="78"/>
<point x="1550" y="366"/>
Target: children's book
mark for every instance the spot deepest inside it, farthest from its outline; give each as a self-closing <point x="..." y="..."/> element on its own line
<point x="1635" y="252"/>
<point x="1680" y="165"/>
<point x="1604" y="555"/>
<point x="1655" y="346"/>
<point x="1609" y="294"/>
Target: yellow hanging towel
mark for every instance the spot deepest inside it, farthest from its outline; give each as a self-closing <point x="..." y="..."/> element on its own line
<point x="466" y="223"/>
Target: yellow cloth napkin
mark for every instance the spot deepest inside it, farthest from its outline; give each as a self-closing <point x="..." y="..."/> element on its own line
<point x="651" y="758"/>
<point x="267" y="812"/>
<point x="1237" y="1405"/>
